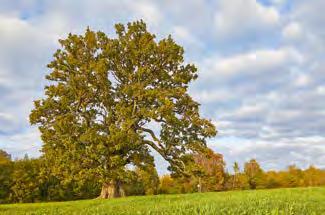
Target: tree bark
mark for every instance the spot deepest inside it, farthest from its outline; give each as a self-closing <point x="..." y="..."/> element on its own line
<point x="112" y="189"/>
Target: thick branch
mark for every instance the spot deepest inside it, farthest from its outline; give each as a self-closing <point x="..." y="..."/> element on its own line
<point x="174" y="162"/>
<point x="153" y="136"/>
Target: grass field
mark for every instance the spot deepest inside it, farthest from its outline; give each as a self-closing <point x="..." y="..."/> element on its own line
<point x="280" y="201"/>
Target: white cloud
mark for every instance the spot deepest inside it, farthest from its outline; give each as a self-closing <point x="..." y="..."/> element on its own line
<point x="185" y="36"/>
<point x="302" y="80"/>
<point x="146" y="10"/>
<point x="21" y="42"/>
<point x="292" y="31"/>
<point x="24" y="53"/>
<point x="27" y="142"/>
<point x="321" y="90"/>
<point x="254" y="62"/>
<point x="237" y="17"/>
<point x="8" y="122"/>
<point x="212" y="96"/>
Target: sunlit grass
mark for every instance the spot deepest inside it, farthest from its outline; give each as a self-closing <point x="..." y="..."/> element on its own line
<point x="279" y="201"/>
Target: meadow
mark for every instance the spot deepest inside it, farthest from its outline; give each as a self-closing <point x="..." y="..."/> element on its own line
<point x="302" y="201"/>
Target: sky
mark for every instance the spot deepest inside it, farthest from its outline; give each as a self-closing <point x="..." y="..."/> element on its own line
<point x="260" y="65"/>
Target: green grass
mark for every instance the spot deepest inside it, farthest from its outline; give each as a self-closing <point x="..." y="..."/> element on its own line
<point x="302" y="201"/>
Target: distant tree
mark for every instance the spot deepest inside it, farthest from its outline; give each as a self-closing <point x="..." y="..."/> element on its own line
<point x="150" y="179"/>
<point x="254" y="173"/>
<point x="5" y="175"/>
<point x="168" y="185"/>
<point x="243" y="182"/>
<point x="272" y="179"/>
<point x="144" y="182"/>
<point x="212" y="166"/>
<point x="25" y="181"/>
<point x="293" y="176"/>
<point x="206" y="173"/>
<point x="238" y="180"/>
<point x="104" y="98"/>
<point x="312" y="176"/>
<point x="235" y="178"/>
<point x="236" y="168"/>
<point x="4" y="157"/>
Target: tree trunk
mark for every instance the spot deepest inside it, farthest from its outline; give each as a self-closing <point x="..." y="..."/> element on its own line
<point x="112" y="189"/>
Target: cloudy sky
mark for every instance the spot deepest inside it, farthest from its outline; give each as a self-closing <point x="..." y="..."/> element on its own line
<point x="261" y="68"/>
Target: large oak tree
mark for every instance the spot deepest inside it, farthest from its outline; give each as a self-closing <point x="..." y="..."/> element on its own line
<point x="110" y="101"/>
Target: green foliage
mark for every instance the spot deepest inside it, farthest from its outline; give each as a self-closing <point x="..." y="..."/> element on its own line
<point x="103" y="98"/>
<point x="25" y="187"/>
<point x="212" y="166"/>
<point x="27" y="180"/>
<point x="168" y="185"/>
<point x="254" y="173"/>
<point x="302" y="201"/>
<point x="5" y="158"/>
<point x="145" y="181"/>
<point x="237" y="180"/>
<point x="206" y="172"/>
<point x="5" y="176"/>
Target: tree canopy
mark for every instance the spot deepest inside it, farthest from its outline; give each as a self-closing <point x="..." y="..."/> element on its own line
<point x="111" y="101"/>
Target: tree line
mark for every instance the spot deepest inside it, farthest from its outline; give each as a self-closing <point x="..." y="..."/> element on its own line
<point x="251" y="177"/>
<point x="28" y="180"/>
